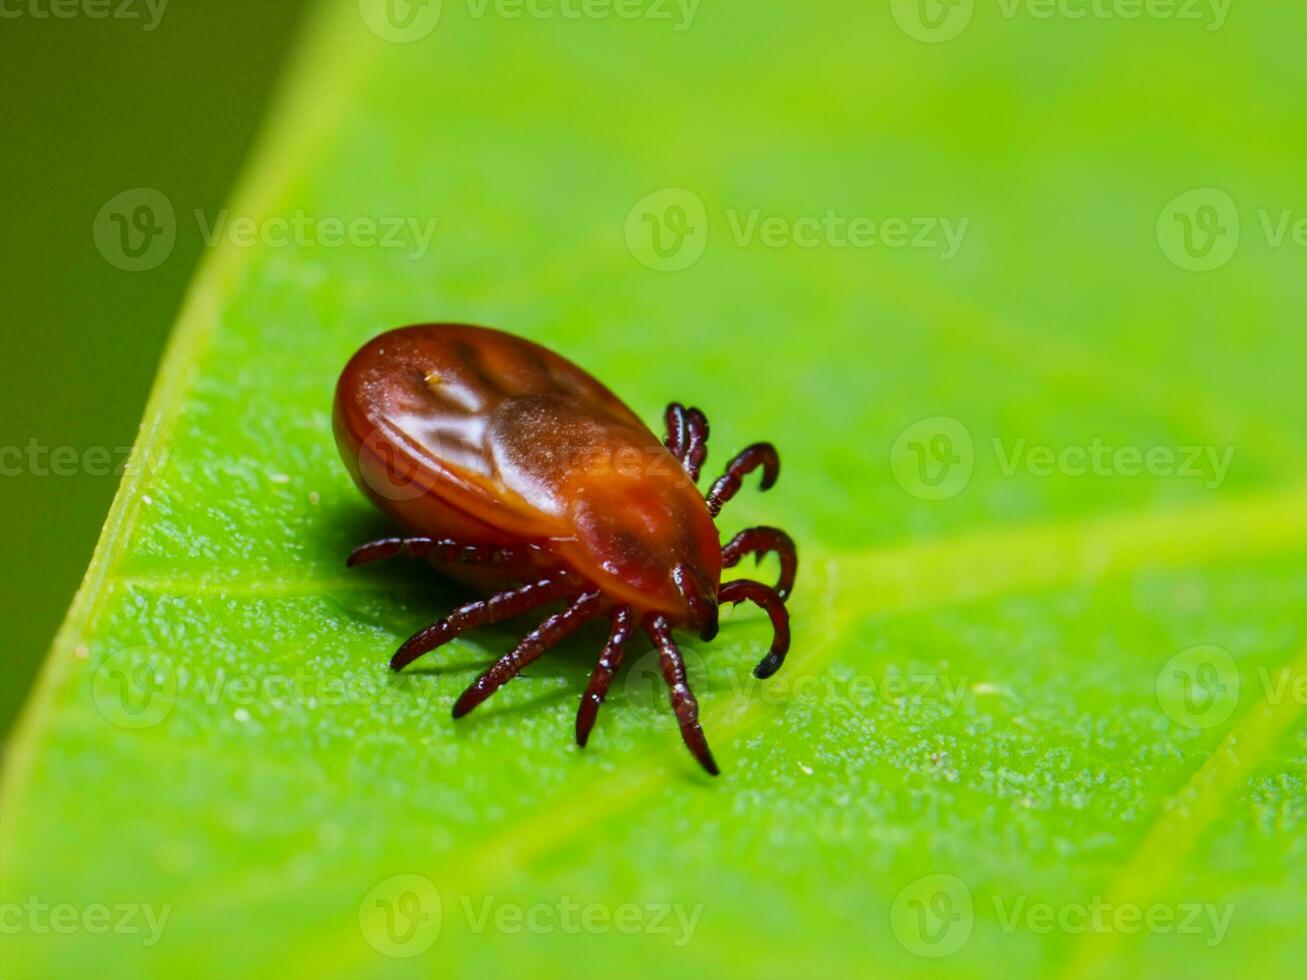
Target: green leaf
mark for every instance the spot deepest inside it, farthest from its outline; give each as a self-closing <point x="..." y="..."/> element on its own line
<point x="1043" y="714"/>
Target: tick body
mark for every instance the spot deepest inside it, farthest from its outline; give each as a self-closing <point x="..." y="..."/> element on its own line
<point x="515" y="471"/>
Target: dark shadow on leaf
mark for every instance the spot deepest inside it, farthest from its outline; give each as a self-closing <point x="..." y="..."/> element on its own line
<point x="490" y="710"/>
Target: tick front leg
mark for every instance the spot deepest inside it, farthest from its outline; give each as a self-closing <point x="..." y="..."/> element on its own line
<point x="535" y="643"/>
<point x="687" y="437"/>
<point x="602" y="678"/>
<point x="676" y="429"/>
<point x="683" y="702"/>
<point x="728" y="484"/>
<point x="482" y="613"/>
<point x="759" y="542"/>
<point x="445" y="550"/>
<point x="742" y="590"/>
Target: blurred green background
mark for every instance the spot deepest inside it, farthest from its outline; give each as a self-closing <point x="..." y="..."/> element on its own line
<point x="93" y="107"/>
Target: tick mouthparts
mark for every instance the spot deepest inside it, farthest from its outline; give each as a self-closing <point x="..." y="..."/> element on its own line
<point x="699" y="598"/>
<point x="710" y="628"/>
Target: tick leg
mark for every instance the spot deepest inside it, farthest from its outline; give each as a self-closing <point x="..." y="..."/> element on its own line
<point x="446" y="550"/>
<point x="743" y="589"/>
<point x="728" y="484"/>
<point x="683" y="702"/>
<point x="676" y="429"/>
<point x="687" y="437"/>
<point x="534" y="644"/>
<point x="609" y="662"/>
<point x="481" y="613"/>
<point x="696" y="446"/>
<point x="760" y="541"/>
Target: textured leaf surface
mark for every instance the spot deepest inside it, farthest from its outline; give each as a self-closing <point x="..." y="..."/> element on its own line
<point x="974" y="689"/>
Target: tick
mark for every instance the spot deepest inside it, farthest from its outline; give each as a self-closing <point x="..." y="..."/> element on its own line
<point x="517" y="471"/>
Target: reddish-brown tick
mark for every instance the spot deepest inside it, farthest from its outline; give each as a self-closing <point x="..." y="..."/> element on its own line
<point x="517" y="468"/>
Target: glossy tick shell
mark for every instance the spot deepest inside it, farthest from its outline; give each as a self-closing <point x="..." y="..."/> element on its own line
<point x="510" y="465"/>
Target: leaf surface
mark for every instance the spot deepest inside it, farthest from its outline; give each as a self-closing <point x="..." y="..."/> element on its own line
<point x="983" y="687"/>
